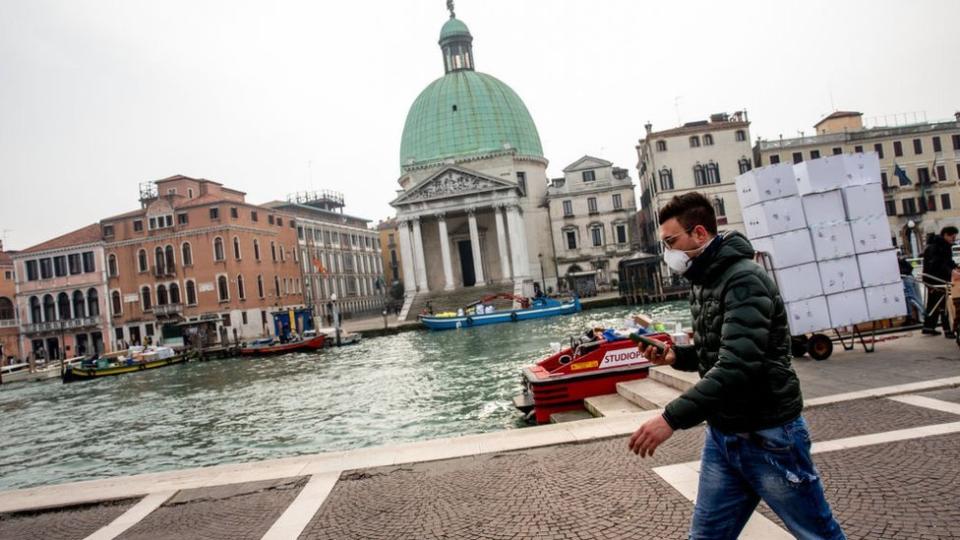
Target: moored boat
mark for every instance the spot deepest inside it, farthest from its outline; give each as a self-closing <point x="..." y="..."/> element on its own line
<point x="589" y="366"/>
<point x="123" y="363"/>
<point x="478" y="315"/>
<point x="267" y="347"/>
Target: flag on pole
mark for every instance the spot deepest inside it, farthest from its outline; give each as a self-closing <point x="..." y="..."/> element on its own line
<point x="902" y="175"/>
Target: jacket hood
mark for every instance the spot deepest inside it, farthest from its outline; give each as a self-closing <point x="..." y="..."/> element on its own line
<point x="726" y="249"/>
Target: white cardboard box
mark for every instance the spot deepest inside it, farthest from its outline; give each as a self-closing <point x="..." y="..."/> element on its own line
<point x="863" y="201"/>
<point x="832" y="241"/>
<point x="773" y="217"/>
<point x="847" y="308"/>
<point x="825" y="207"/>
<point x="839" y="275"/>
<point x="879" y="268"/>
<point x="885" y="301"/>
<point x="806" y="316"/>
<point x="862" y="168"/>
<point x="765" y="184"/>
<point x="871" y="234"/>
<point x="821" y="174"/>
<point x="799" y="282"/>
<point x="787" y="249"/>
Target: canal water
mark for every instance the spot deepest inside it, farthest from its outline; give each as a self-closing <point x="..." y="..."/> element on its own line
<point x="406" y="387"/>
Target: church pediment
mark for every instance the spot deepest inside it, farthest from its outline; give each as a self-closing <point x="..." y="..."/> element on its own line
<point x="587" y="162"/>
<point x="452" y="182"/>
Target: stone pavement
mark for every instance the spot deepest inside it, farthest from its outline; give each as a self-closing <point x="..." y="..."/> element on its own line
<point x="890" y="463"/>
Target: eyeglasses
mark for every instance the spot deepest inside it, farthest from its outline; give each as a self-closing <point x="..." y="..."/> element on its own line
<point x="670" y="240"/>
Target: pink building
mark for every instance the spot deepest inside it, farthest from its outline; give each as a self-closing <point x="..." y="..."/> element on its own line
<point x="61" y="295"/>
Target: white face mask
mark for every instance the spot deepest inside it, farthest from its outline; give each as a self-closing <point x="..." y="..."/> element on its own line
<point x="678" y="260"/>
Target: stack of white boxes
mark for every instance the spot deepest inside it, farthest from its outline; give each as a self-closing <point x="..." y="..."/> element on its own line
<point x="824" y="225"/>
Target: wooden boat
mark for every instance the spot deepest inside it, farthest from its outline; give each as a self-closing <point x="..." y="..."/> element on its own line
<point x="538" y="308"/>
<point x="267" y="347"/>
<point x="23" y="373"/>
<point x="346" y="338"/>
<point x="119" y="364"/>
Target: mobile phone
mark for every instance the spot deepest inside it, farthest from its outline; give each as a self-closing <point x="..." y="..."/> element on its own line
<point x="637" y="338"/>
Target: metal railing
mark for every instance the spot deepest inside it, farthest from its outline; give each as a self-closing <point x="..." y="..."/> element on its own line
<point x="68" y="324"/>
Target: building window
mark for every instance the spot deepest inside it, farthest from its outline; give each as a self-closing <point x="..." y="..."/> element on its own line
<point x="260" y="286"/>
<point x="596" y="232"/>
<point x="567" y="208"/>
<point x="270" y="219"/>
<point x="170" y="261"/>
<point x="88" y="264"/>
<point x="897" y="149"/>
<point x="31" y="267"/>
<point x="945" y="201"/>
<point x="234" y="213"/>
<point x="941" y="173"/>
<point x="182" y="219"/>
<point x="36" y="315"/>
<point x="223" y="292"/>
<point x="814" y="154"/>
<point x="878" y="148"/>
<point x="138" y="225"/>
<point x="744" y="165"/>
<point x="774" y="159"/>
<point x="46" y="269"/>
<point x="956" y="142"/>
<point x="621" y="232"/>
<point x="236" y="247"/>
<point x="60" y="266"/>
<point x="142" y="260"/>
<point x="837" y="150"/>
<point x="115" y="303"/>
<point x="694" y="141"/>
<point x="174" y="293"/>
<point x="241" y="290"/>
<point x="917" y="147"/>
<point x="909" y="206"/>
<point x="617" y="201"/>
<point x="158" y="261"/>
<point x="571" y="239"/>
<point x="273" y="251"/>
<point x="741" y="135"/>
<point x="145" y="298"/>
<point x="708" y="140"/>
<point x="588" y="176"/>
<point x="253" y="215"/>
<point x="661" y="146"/>
<point x="932" y="203"/>
<point x="218" y="249"/>
<point x="191" y="293"/>
<point x="214" y="213"/>
<point x="63" y="306"/>
<point x="666" y="179"/>
<point x="256" y="249"/>
<point x="162" y="299"/>
<point x="592" y="205"/>
<point x="79" y="305"/>
<point x="713" y="173"/>
<point x="797" y="157"/>
<point x="276" y="286"/>
<point x="112" y="265"/>
<point x="923" y="176"/>
<point x="522" y="183"/>
<point x="719" y="207"/>
<point x="49" y="309"/>
<point x="93" y="303"/>
<point x="891" y="207"/>
<point x="187" y="255"/>
<point x="108" y="230"/>
<point x="699" y="178"/>
<point x="858" y="149"/>
<point x="883" y="180"/>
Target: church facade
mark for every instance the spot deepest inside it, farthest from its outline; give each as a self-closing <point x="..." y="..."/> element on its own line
<point x="471" y="209"/>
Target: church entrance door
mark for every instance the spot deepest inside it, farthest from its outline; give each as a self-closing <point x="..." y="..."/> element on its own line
<point x="466" y="263"/>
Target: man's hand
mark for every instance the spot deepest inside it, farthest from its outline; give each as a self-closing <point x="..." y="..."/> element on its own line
<point x="666" y="358"/>
<point x="649" y="436"/>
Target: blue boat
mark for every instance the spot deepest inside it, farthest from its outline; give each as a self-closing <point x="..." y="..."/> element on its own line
<point x="539" y="308"/>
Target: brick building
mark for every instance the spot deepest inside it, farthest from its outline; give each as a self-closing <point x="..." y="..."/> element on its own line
<point x="197" y="251"/>
<point x="9" y="322"/>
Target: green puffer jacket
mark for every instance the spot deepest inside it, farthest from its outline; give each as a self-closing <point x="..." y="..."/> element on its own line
<point x="741" y="345"/>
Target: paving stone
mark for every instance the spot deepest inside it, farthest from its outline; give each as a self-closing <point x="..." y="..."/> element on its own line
<point x="594" y="490"/>
<point x="228" y="512"/>
<point x="908" y="490"/>
<point x="864" y="416"/>
<point x="62" y="523"/>
<point x="952" y="395"/>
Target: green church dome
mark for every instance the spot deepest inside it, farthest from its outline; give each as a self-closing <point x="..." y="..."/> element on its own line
<point x="465" y="113"/>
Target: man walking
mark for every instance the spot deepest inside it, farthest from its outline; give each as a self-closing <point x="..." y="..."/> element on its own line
<point x="937" y="266"/>
<point x="757" y="445"/>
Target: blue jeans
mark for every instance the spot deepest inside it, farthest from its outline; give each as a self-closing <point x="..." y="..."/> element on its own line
<point x="737" y="470"/>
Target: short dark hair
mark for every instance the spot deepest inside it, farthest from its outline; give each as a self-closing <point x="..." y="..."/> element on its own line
<point x="690" y="209"/>
<point x="949" y="229"/>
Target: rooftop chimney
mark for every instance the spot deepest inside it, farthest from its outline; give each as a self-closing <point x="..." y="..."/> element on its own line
<point x="649" y="127"/>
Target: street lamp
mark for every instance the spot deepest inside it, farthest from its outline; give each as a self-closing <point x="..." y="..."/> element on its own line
<point x="912" y="236"/>
<point x="336" y="316"/>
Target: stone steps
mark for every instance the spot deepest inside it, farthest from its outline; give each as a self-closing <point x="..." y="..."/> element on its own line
<point x="647" y="393"/>
<point x="680" y="380"/>
<point x="610" y="405"/>
<point x="662" y="386"/>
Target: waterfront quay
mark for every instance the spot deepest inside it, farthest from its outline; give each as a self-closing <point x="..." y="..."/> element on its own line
<point x="885" y="426"/>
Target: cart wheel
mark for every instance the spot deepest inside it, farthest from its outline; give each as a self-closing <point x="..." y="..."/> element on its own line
<point x="820" y="347"/>
<point x="798" y="346"/>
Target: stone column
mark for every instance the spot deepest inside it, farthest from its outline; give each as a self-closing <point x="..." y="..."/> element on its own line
<point x="406" y="259"/>
<point x="421" y="265"/>
<point x="445" y="252"/>
<point x="502" y="243"/>
<point x="475" y="244"/>
<point x="518" y="243"/>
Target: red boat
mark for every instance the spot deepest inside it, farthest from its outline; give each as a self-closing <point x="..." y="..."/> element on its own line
<point x="588" y="367"/>
<point x="266" y="347"/>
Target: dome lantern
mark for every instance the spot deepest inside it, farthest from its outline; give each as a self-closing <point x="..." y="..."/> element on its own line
<point x="456" y="44"/>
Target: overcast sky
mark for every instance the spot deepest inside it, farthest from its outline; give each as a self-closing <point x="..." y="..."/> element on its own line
<point x="96" y="97"/>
